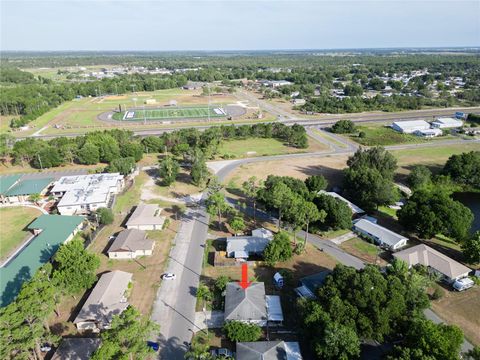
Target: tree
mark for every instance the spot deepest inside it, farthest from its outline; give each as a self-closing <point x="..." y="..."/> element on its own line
<point x="464" y="168"/>
<point x="168" y="170"/>
<point x="315" y="183"/>
<point x="221" y="282"/>
<point x="251" y="188"/>
<point x="339" y="342"/>
<point x="338" y="214"/>
<point x="132" y="149"/>
<point x="473" y="354"/>
<point x="279" y="249"/>
<point x="281" y="197"/>
<point x="88" y="154"/>
<point x="237" y="224"/>
<point x="241" y="332"/>
<point x="420" y="176"/>
<point x="199" y="171"/>
<point x="123" y="166"/>
<point x="105" y="216"/>
<point x="343" y="127"/>
<point x="434" y="212"/>
<point x="216" y="205"/>
<point x="35" y="198"/>
<point x="75" y="267"/>
<point x="374" y="158"/>
<point x="47" y="157"/>
<point x="471" y="248"/>
<point x="311" y="214"/>
<point x="126" y="337"/>
<point x="199" y="348"/>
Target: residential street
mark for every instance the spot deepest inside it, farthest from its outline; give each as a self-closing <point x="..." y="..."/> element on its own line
<point x="174" y="307"/>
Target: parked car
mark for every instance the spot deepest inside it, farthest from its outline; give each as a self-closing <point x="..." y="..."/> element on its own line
<point x="222" y="353"/>
<point x="153" y="345"/>
<point x="169" y="276"/>
<point x="463" y="284"/>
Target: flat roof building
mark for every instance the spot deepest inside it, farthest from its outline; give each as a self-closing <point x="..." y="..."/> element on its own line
<point x="130" y="244"/>
<point x="108" y="298"/>
<point x="424" y="255"/>
<point x="146" y="217"/>
<point x="83" y="194"/>
<point x="428" y="133"/>
<point x="380" y="235"/>
<point x="410" y="126"/>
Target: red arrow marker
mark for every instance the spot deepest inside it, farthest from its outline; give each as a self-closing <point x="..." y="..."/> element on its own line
<point x="244" y="283"/>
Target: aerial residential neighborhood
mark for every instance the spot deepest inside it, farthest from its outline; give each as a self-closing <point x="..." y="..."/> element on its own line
<point x="253" y="180"/>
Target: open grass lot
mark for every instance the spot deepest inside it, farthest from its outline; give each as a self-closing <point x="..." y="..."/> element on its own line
<point x="8" y="168"/>
<point x="169" y="113"/>
<point x="263" y="147"/>
<point x="13" y="223"/>
<point x="329" y="138"/>
<point x="180" y="188"/>
<point x="461" y="309"/>
<point x="363" y="250"/>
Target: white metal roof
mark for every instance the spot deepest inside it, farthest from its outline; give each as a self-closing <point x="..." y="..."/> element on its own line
<point x="355" y="209"/>
<point x="412" y="124"/>
<point x="274" y="308"/>
<point x="383" y="234"/>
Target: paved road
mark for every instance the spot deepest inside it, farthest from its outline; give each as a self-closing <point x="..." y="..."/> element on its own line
<point x="174" y="307"/>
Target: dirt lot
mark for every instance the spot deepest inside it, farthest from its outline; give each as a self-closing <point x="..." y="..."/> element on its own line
<point x="462" y="309"/>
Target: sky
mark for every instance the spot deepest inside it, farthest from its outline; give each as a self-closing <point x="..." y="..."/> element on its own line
<point x="236" y="25"/>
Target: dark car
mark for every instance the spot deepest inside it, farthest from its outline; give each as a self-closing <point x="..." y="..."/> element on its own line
<point x="222" y="354"/>
<point x="153" y="345"/>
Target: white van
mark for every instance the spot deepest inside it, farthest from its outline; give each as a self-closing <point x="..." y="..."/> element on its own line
<point x="463" y="284"/>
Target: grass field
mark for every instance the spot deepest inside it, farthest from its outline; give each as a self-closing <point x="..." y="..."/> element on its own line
<point x="13" y="221"/>
<point x="195" y="112"/>
<point x="362" y="249"/>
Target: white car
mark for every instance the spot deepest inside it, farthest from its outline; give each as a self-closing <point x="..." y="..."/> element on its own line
<point x="463" y="284"/>
<point x="169" y="276"/>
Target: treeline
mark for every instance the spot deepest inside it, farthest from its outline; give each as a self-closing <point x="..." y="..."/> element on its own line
<point x="28" y="98"/>
<point x="120" y="149"/>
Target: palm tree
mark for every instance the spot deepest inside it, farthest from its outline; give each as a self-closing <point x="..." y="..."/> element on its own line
<point x="35" y="198"/>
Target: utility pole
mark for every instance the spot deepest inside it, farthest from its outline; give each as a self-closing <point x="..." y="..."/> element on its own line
<point x="40" y="161"/>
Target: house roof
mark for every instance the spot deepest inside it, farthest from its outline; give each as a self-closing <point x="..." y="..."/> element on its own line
<point x="314" y="281"/>
<point x="106" y="299"/>
<point x="131" y="240"/>
<point x="29" y="187"/>
<point x="386" y="236"/>
<point x="245" y="304"/>
<point x="355" y="209"/>
<point x="146" y="214"/>
<point x="55" y="230"/>
<point x="425" y="255"/>
<point x="248" y="244"/>
<point x="412" y="124"/>
<point x="268" y="350"/>
<point x="448" y="121"/>
<point x="6" y="182"/>
<point x="76" y="348"/>
<point x="274" y="308"/>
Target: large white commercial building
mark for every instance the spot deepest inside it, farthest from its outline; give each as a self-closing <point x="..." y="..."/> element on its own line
<point x="447" y="123"/>
<point x="83" y="194"/>
<point x="410" y="126"/>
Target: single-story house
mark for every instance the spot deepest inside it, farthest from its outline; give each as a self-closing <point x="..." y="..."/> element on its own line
<point x="82" y="194"/>
<point x="355" y="209"/>
<point x="410" y="126"/>
<point x="108" y="298"/>
<point x="380" y="235"/>
<point x="146" y="217"/>
<point x="299" y="102"/>
<point x="268" y="350"/>
<point x="130" y="244"/>
<point x="447" y="123"/>
<point x="246" y="305"/>
<point x="76" y="348"/>
<point x="241" y="247"/>
<point x="422" y="254"/>
<point x="428" y="133"/>
<point x="22" y="189"/>
<point x="309" y="284"/>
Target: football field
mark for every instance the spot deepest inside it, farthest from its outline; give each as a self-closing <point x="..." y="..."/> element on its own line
<point x="171" y="113"/>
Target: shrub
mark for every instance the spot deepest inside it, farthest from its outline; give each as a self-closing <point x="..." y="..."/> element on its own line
<point x="240" y="332"/>
<point x="105" y="216"/>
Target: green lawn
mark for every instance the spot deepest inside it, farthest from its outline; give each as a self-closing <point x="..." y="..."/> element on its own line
<point x="329" y="138"/>
<point x="332" y="234"/>
<point x="13" y="221"/>
<point x="361" y="249"/>
<point x="130" y="197"/>
<point x="387" y="211"/>
<point x="254" y="147"/>
<point x="170" y="113"/>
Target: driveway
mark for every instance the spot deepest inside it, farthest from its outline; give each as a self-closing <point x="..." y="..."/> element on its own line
<point x="211" y="319"/>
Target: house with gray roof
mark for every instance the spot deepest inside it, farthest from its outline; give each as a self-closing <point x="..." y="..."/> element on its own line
<point x="381" y="236"/>
<point x="146" y="217"/>
<point x="268" y="350"/>
<point x="309" y="284"/>
<point x="450" y="269"/>
<point x="108" y="298"/>
<point x="246" y="305"/>
<point x="130" y="244"/>
<point x="241" y="247"/>
<point x="76" y="348"/>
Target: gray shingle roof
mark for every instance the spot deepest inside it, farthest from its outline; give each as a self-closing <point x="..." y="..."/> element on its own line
<point x="268" y="350"/>
<point x="245" y="305"/>
<point x="146" y="214"/>
<point x="76" y="348"/>
<point x="131" y="240"/>
<point x="247" y="244"/>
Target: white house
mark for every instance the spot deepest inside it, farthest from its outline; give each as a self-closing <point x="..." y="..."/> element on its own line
<point x="146" y="217"/>
<point x="447" y="123"/>
<point x="434" y="260"/>
<point x="410" y="126"/>
<point x="241" y="247"/>
<point x="130" y="244"/>
<point x="82" y="194"/>
<point x="429" y="133"/>
<point x="108" y="298"/>
<point x="380" y="235"/>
